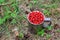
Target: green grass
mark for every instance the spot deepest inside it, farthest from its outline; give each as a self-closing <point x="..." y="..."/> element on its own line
<point x="10" y="11"/>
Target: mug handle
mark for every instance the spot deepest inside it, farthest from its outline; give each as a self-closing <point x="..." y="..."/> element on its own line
<point x="47" y="22"/>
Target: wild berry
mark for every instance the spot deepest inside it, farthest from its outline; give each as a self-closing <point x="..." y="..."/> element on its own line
<point x="36" y="17"/>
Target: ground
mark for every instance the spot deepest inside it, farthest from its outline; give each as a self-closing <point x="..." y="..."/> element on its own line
<point x="50" y="9"/>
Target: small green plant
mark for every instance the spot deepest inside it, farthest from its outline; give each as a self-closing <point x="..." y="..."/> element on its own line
<point x="46" y="12"/>
<point x="21" y="35"/>
<point x="35" y="1"/>
<point x="58" y="30"/>
<point x="40" y="31"/>
<point x="48" y="36"/>
<point x="49" y="28"/>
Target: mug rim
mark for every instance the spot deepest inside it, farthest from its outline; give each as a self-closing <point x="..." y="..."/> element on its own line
<point x="33" y="23"/>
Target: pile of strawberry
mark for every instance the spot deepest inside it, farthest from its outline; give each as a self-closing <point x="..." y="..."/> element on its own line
<point x="36" y="17"/>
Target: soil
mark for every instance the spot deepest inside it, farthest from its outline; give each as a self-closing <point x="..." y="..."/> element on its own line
<point x="29" y="34"/>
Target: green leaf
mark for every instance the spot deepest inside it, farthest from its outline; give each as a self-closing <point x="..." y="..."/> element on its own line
<point x="58" y="30"/>
<point x="46" y="12"/>
<point x="41" y="6"/>
<point x="38" y="28"/>
<point x="6" y="17"/>
<point x="14" y="15"/>
<point x="24" y="16"/>
<point x="41" y="32"/>
<point x="1" y="21"/>
<point x="35" y="1"/>
<point x="13" y="21"/>
<point x="49" y="27"/>
<point x="21" y="35"/>
<point x="6" y="8"/>
<point x="1" y="1"/>
<point x="48" y="36"/>
<point x="30" y="4"/>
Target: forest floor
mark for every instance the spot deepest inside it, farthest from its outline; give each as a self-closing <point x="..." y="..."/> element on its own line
<point x="53" y="34"/>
